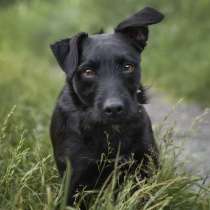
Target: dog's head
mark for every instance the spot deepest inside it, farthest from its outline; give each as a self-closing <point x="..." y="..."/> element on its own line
<point x="103" y="70"/>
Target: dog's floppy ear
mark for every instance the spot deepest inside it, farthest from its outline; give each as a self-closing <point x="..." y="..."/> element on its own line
<point x="67" y="52"/>
<point x="136" y="26"/>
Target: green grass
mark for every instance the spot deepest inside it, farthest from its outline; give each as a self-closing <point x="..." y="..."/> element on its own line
<point x="29" y="179"/>
<point x="176" y="60"/>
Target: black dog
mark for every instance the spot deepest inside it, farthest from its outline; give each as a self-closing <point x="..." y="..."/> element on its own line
<point x="102" y="100"/>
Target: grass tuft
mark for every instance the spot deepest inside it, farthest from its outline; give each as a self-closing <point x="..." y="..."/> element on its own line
<point x="29" y="179"/>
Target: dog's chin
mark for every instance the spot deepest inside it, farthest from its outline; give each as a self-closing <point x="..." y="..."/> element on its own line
<point x="113" y="121"/>
<point x="118" y="121"/>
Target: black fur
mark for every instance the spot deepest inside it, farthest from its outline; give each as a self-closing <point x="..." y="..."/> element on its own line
<point x="102" y="101"/>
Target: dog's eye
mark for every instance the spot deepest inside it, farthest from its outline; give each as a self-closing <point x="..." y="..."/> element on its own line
<point x="88" y="73"/>
<point x="128" y="68"/>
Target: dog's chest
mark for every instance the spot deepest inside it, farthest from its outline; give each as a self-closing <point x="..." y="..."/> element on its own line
<point x="109" y="142"/>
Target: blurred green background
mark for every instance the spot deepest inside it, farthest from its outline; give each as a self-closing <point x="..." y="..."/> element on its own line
<point x="176" y="61"/>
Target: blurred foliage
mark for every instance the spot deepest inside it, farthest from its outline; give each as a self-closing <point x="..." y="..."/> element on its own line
<point x="176" y="60"/>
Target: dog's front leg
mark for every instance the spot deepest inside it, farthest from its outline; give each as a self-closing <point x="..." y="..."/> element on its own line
<point x="84" y="170"/>
<point x="83" y="177"/>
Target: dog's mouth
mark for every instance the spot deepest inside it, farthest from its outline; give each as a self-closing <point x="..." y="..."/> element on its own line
<point x="112" y="121"/>
<point x="119" y="121"/>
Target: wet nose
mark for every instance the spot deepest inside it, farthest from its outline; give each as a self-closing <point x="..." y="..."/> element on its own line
<point x="113" y="107"/>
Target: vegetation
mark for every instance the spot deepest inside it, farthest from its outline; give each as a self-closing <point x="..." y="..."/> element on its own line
<point x="176" y="60"/>
<point x="29" y="179"/>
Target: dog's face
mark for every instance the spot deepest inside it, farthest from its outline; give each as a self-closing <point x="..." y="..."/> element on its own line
<point x="107" y="77"/>
<point x="103" y="70"/>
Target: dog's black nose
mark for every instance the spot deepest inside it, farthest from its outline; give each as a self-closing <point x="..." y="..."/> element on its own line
<point x="113" y="107"/>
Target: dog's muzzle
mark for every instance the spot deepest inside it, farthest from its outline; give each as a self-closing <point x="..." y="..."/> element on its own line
<point x="113" y="109"/>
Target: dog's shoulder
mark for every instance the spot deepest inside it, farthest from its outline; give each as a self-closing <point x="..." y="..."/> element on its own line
<point x="66" y="115"/>
<point x="64" y="101"/>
